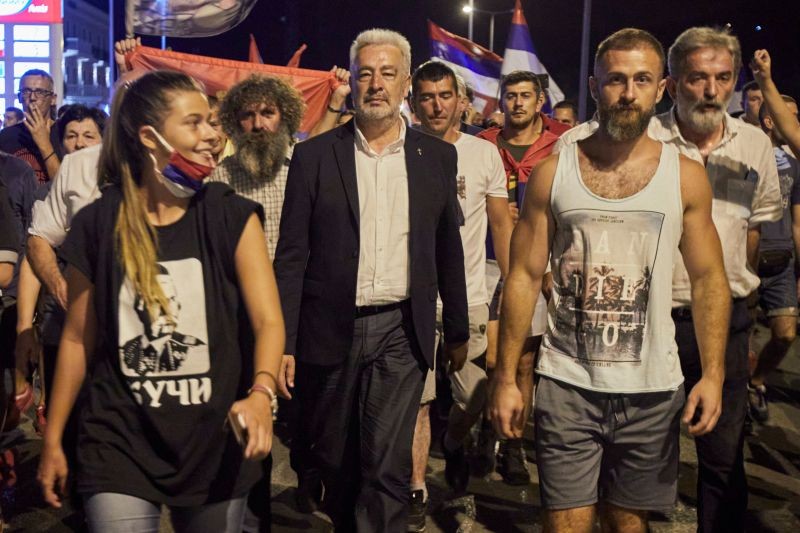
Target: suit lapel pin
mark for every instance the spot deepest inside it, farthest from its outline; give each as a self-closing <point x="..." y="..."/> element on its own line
<point x="419" y="151"/>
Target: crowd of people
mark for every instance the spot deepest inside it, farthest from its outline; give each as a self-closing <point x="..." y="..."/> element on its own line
<point x="172" y="269"/>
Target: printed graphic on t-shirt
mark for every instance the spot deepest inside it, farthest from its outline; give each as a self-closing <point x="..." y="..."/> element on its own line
<point x="786" y="180"/>
<point x="603" y="283"/>
<point x="461" y="191"/>
<point x="154" y="352"/>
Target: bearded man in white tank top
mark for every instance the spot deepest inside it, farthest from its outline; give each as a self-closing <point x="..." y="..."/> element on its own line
<point x="611" y="213"/>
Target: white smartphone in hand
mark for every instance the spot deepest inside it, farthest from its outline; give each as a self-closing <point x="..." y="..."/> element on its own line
<point x="239" y="427"/>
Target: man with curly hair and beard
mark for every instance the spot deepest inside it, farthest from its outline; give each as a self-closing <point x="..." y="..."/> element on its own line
<point x="260" y="115"/>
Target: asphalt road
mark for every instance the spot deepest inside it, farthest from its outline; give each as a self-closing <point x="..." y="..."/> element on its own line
<point x="772" y="465"/>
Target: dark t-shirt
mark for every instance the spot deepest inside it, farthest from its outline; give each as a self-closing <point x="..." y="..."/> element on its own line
<point x="515" y="189"/>
<point x="17" y="141"/>
<point x="9" y="239"/>
<point x="778" y="235"/>
<point x="19" y="179"/>
<point x="517" y="151"/>
<point x="159" y="391"/>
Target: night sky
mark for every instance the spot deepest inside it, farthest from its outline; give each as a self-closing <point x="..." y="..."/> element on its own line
<point x="329" y="26"/>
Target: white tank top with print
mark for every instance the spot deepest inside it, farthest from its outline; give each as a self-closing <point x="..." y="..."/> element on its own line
<point x="609" y="326"/>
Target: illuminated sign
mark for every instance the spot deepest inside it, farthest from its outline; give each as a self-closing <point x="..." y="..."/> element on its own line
<point x="30" y="11"/>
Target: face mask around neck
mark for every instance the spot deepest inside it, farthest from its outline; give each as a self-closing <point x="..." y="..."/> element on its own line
<point x="182" y="177"/>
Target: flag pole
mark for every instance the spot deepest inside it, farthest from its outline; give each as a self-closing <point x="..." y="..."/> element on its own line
<point x="471" y="13"/>
<point x="583" y="82"/>
<point x="112" y="74"/>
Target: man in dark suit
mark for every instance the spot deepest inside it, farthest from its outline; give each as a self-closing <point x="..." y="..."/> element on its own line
<point x="369" y="236"/>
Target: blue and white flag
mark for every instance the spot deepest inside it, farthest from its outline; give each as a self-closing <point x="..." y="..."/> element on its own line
<point x="520" y="55"/>
<point x="479" y="67"/>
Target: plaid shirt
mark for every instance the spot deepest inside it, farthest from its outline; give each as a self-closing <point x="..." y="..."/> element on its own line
<point x="268" y="194"/>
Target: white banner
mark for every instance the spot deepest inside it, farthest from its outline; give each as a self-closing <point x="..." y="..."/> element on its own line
<point x="185" y="18"/>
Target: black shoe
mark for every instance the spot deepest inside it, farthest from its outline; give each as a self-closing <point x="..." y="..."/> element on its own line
<point x="485" y="454"/>
<point x="749" y="431"/>
<point x="456" y="467"/>
<point x="757" y="398"/>
<point x="417" y="506"/>
<point x="308" y="495"/>
<point x="512" y="463"/>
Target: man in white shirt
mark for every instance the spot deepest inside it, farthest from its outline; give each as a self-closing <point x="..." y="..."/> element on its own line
<point x="704" y="64"/>
<point x="482" y="196"/>
<point x="74" y="187"/>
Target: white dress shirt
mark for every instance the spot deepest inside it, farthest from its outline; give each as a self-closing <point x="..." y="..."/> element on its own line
<point x="744" y="181"/>
<point x="383" y="261"/>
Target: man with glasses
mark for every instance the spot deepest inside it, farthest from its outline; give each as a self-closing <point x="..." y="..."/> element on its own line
<point x="35" y="140"/>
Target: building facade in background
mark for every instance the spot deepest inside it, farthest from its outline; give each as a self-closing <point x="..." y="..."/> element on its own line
<point x="67" y="38"/>
<point x="86" y="69"/>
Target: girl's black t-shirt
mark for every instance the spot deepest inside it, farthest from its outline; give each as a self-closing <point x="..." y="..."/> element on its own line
<point x="160" y="390"/>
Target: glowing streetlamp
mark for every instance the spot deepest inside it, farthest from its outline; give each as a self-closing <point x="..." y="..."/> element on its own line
<point x="470" y="9"/>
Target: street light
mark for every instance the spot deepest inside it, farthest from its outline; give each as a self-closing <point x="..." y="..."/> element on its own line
<point x="470" y="9"/>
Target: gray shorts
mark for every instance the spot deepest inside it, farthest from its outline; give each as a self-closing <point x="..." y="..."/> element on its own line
<point x="472" y="377"/>
<point x="619" y="448"/>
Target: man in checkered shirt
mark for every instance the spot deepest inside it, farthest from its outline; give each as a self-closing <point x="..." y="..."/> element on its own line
<point x="260" y="115"/>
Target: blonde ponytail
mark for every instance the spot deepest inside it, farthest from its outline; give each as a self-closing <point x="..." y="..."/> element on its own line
<point x="146" y="101"/>
<point x="137" y="246"/>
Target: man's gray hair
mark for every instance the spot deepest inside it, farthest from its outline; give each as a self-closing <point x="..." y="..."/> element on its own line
<point x="379" y="36"/>
<point x="702" y="37"/>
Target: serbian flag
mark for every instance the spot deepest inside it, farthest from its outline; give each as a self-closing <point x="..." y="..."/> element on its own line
<point x="479" y="67"/>
<point x="217" y="75"/>
<point x="185" y="18"/>
<point x="520" y="54"/>
<point x="735" y="105"/>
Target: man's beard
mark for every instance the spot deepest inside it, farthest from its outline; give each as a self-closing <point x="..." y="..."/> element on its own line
<point x="624" y="122"/>
<point x="520" y="123"/>
<point x="697" y="115"/>
<point x="262" y="153"/>
<point x="365" y="113"/>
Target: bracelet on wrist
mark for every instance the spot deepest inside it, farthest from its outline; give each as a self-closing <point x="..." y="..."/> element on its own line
<point x="49" y="156"/>
<point x="273" y="400"/>
<point x="334" y="110"/>
<point x="267" y="373"/>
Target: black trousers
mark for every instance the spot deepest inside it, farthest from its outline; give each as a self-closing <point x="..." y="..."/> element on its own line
<point x="358" y="423"/>
<point x="721" y="481"/>
<point x="258" y="516"/>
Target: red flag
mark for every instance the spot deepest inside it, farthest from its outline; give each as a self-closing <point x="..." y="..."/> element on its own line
<point x="217" y="74"/>
<point x="294" y="62"/>
<point x="255" y="55"/>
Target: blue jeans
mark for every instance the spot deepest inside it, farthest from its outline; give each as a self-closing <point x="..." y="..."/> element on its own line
<point x="110" y="512"/>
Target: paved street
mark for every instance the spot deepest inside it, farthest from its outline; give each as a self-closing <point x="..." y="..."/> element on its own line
<point x="773" y="470"/>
